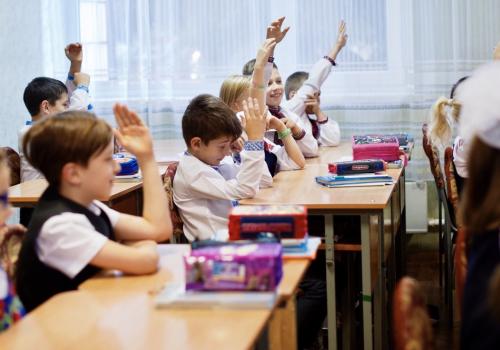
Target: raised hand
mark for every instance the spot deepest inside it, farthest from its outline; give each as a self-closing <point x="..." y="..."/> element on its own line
<point x="274" y="30"/>
<point x="132" y="134"/>
<point x="255" y="120"/>
<point x="341" y="36"/>
<point x="74" y="52"/>
<point x="341" y="41"/>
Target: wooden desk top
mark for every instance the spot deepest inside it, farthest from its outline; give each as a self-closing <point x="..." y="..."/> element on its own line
<point x="299" y="187"/>
<point x="84" y="320"/>
<point x="119" y="313"/>
<point x="27" y="193"/>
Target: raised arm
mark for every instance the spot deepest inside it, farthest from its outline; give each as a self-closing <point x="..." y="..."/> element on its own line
<point x="258" y="86"/>
<point x="155" y="223"/>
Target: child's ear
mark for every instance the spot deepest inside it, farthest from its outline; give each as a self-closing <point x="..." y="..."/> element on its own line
<point x="291" y="94"/>
<point x="45" y="107"/>
<point x="195" y="143"/>
<point x="71" y="174"/>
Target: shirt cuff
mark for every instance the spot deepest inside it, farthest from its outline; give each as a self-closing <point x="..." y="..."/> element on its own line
<point x="254" y="145"/>
<point x="83" y="87"/>
<point x="324" y="121"/>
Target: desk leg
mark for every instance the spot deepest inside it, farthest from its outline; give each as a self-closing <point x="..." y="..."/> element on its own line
<point x="380" y="306"/>
<point x="330" y="283"/>
<point x="366" y="282"/>
<point x="283" y="327"/>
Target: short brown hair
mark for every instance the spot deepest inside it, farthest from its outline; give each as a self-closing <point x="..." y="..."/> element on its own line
<point x="208" y="118"/>
<point x="294" y="82"/>
<point x="480" y="211"/>
<point x="71" y="136"/>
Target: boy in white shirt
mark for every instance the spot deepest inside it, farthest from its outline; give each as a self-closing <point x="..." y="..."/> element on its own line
<point x="204" y="189"/>
<point x="72" y="235"/>
<point x="44" y="97"/>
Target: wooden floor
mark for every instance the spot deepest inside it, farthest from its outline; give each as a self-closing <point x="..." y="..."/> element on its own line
<point x="422" y="264"/>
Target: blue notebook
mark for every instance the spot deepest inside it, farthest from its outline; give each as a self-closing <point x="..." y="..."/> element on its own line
<point x="354" y="180"/>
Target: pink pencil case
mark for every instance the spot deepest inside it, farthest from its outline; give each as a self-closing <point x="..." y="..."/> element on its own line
<point x="375" y="147"/>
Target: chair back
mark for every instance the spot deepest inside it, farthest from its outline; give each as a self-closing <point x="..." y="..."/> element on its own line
<point x="451" y="183"/>
<point x="411" y="324"/>
<point x="10" y="244"/>
<point x="432" y="154"/>
<point x="168" y="186"/>
<point x="14" y="162"/>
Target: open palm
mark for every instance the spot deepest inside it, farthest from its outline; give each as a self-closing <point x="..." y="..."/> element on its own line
<point x="132" y="134"/>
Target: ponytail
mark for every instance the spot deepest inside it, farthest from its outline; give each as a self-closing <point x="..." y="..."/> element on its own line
<point x="444" y="114"/>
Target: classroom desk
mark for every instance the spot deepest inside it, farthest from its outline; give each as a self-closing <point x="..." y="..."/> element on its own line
<point x="119" y="313"/>
<point x="126" y="197"/>
<point x="381" y="212"/>
<point x="282" y="323"/>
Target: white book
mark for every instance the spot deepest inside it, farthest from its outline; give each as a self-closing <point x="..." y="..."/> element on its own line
<point x="175" y="296"/>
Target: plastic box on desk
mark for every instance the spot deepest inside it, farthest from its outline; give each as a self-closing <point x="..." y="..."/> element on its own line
<point x="375" y="147"/>
<point x="235" y="267"/>
<point x="285" y="221"/>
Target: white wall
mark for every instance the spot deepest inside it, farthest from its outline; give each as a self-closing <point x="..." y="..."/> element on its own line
<point x="20" y="47"/>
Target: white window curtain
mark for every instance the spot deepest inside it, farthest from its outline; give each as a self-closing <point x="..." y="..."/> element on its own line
<point x="157" y="54"/>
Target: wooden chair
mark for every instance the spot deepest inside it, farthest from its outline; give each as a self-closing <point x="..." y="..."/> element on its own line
<point x="411" y="324"/>
<point x="451" y="185"/>
<point x="168" y="182"/>
<point x="445" y="237"/>
<point x="10" y="243"/>
<point x="14" y="162"/>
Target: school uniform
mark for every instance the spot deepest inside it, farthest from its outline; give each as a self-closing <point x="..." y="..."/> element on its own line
<point x="480" y="330"/>
<point x="460" y="149"/>
<point x="205" y="194"/>
<point x="62" y="238"/>
<point x="328" y="132"/>
<point x="79" y="99"/>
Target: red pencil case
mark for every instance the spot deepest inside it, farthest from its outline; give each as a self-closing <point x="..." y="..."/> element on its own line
<point x="375" y="147"/>
<point x="285" y="221"/>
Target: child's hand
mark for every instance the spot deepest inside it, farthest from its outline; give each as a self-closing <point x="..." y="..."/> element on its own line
<point x="289" y="123"/>
<point x="74" y="52"/>
<point x="274" y="30"/>
<point x="237" y="145"/>
<point x="275" y="123"/>
<point x="82" y="79"/>
<point x="255" y="121"/>
<point x="496" y="52"/>
<point x="264" y="52"/>
<point x="312" y="104"/>
<point x="342" y="36"/>
<point x="132" y="134"/>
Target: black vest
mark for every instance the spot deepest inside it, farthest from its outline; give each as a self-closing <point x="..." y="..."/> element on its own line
<point x="37" y="282"/>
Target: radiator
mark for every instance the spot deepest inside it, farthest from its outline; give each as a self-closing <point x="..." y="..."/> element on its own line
<point x="416" y="206"/>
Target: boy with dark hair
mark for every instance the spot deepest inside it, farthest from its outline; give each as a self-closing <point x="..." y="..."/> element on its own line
<point x="44" y="97"/>
<point x="204" y="188"/>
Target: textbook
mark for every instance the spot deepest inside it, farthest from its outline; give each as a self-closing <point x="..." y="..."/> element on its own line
<point x="354" y="180"/>
<point x="175" y="296"/>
